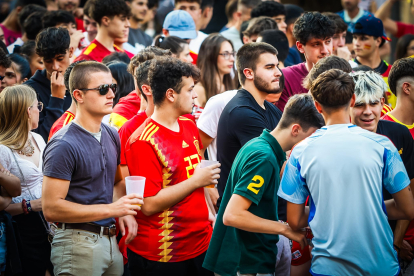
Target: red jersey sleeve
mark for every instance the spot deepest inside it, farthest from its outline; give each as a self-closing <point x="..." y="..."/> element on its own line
<point x="143" y="161"/>
<point x="124" y="139"/>
<point x="404" y="28"/>
<point x="83" y="57"/>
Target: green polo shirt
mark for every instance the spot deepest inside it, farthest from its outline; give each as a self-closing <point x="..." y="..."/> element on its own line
<point x="255" y="175"/>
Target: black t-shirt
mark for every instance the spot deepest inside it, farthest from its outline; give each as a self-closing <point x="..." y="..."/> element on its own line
<point x="242" y="120"/>
<point x="401" y="137"/>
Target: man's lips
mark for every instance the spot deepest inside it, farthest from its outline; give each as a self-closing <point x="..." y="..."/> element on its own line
<point x="367" y="120"/>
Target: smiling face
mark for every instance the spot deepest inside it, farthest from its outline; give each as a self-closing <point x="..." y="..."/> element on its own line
<point x="315" y="49"/>
<point x="225" y="65"/>
<point x="68" y="5"/>
<point x="367" y="115"/>
<point x="267" y="74"/>
<point x="139" y="9"/>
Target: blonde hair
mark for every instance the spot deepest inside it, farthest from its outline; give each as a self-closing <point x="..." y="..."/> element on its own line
<point x="369" y="86"/>
<point x="14" y="126"/>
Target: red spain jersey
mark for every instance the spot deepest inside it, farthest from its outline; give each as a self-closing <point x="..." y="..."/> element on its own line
<point x="65" y="119"/>
<point x="96" y="51"/>
<point x="167" y="158"/>
<point x="391" y="118"/>
<point x="127" y="129"/>
<point x="385" y="109"/>
<point x="125" y="109"/>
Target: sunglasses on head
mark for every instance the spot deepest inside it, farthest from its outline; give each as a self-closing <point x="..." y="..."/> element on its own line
<point x="103" y="89"/>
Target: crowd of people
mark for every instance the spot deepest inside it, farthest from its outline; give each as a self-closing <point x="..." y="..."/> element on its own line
<point x="309" y="127"/>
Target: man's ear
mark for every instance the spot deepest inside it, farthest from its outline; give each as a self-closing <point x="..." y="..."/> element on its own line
<point x="105" y="21"/>
<point x="300" y="47"/>
<point x="248" y="73"/>
<point x="318" y="107"/>
<point x="19" y="9"/>
<point x="78" y="96"/>
<point x="245" y="39"/>
<point x="406" y="88"/>
<point x="169" y="95"/>
<point x="71" y="50"/>
<point x="353" y="100"/>
<point x="165" y="32"/>
<point x="146" y="89"/>
<point x="295" y="130"/>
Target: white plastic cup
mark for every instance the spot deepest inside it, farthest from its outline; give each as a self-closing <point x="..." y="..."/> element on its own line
<point x="135" y="185"/>
<point x="206" y="163"/>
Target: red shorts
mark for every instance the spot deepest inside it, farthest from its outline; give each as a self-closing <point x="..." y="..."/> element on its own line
<point x="301" y="256"/>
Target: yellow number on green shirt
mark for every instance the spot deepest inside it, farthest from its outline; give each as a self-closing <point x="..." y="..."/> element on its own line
<point x="253" y="185"/>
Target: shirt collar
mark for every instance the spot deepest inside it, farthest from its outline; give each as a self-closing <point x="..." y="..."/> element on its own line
<point x="277" y="149"/>
<point x="355" y="19"/>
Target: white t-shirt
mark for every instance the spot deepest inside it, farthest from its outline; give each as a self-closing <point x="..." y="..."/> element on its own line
<point x="33" y="175"/>
<point x="209" y="119"/>
<point x="196" y="42"/>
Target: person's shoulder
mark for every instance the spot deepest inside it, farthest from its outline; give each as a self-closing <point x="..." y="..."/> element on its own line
<point x="301" y="147"/>
<point x="341" y="13"/>
<point x="219" y="101"/>
<point x="294" y="69"/>
<point x="379" y="139"/>
<point x="392" y="128"/>
<point x="187" y="122"/>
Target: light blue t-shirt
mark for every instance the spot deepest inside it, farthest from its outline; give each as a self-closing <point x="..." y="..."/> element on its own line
<point x="343" y="169"/>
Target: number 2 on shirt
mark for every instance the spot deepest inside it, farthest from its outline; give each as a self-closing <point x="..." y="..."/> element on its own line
<point x="258" y="183"/>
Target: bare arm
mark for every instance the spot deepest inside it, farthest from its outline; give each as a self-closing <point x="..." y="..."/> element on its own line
<point x="119" y="188"/>
<point x="297" y="215"/>
<point x="237" y="215"/>
<point x="10" y="182"/>
<point x="402" y="206"/>
<point x="17" y="208"/>
<point x="402" y="225"/>
<point x="171" y="195"/>
<point x="205" y="141"/>
<point x="384" y="13"/>
<point x="57" y="209"/>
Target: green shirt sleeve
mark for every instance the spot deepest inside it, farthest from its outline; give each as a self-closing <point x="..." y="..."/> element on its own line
<point x="254" y="179"/>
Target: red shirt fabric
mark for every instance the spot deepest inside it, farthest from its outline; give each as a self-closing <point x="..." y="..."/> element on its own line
<point x="127" y="129"/>
<point x="403" y="29"/>
<point x="9" y="35"/>
<point x="65" y="119"/>
<point x="96" y="51"/>
<point x="79" y="24"/>
<point x="125" y="109"/>
<point x="294" y="76"/>
<point x="391" y="118"/>
<point x="167" y="158"/>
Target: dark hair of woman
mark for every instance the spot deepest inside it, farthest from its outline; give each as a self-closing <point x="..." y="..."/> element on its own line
<point x="173" y="43"/>
<point x="402" y="46"/>
<point x="123" y="78"/>
<point x="207" y="62"/>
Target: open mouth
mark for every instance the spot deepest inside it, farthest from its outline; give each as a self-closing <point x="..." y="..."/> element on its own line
<point x="367" y="120"/>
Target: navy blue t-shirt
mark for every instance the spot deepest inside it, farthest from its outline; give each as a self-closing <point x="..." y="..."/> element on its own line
<point x="241" y="120"/>
<point x="74" y="154"/>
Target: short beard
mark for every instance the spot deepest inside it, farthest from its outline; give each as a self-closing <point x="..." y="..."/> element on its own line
<point x="263" y="86"/>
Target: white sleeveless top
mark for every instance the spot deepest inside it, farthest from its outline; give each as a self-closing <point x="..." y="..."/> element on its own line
<point x="33" y="175"/>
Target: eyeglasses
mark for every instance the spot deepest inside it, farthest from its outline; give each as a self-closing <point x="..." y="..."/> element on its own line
<point x="103" y="89"/>
<point x="39" y="106"/>
<point x="227" y="55"/>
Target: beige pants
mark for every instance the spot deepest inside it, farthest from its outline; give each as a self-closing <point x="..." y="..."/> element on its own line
<point x="78" y="252"/>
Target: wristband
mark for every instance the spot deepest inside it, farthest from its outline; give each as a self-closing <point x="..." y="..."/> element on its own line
<point x="29" y="206"/>
<point x="398" y="249"/>
<point x="24" y="207"/>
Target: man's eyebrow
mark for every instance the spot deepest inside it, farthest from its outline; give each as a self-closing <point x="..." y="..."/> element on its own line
<point x="270" y="64"/>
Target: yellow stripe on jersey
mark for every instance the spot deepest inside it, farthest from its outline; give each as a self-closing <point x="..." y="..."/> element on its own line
<point x="117" y="121"/>
<point x="395" y="120"/>
<point x="89" y="49"/>
<point x="184" y="119"/>
<point x="152" y="133"/>
<point x="148" y="131"/>
<point x="68" y="119"/>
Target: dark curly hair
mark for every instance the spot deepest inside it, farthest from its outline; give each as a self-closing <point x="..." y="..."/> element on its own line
<point x="141" y="75"/>
<point x="146" y="54"/>
<point x="313" y="25"/>
<point x="23" y="3"/>
<point x="167" y="73"/>
<point x="333" y="89"/>
<point x="268" y="8"/>
<point x="54" y="18"/>
<point x="110" y="8"/>
<point x="325" y="64"/>
<point x="400" y="69"/>
<point x="51" y="42"/>
<point x="278" y="40"/>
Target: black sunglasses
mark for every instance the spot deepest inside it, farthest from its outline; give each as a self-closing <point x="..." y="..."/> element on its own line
<point x="103" y="89"/>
